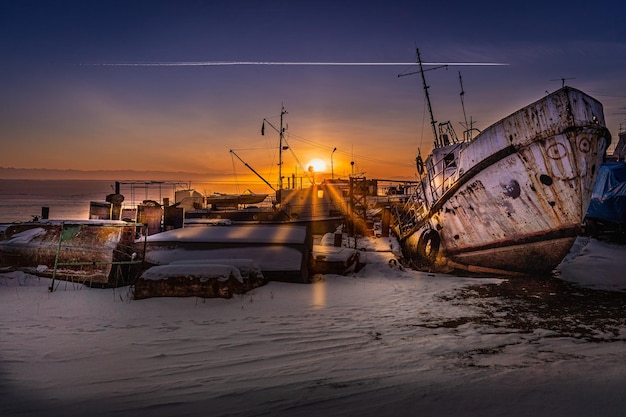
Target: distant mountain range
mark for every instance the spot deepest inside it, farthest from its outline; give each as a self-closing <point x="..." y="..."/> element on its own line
<point x="73" y="174"/>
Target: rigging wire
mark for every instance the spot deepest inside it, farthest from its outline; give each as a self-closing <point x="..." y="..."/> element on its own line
<point x="306" y="172"/>
<point x="362" y="157"/>
<point x="408" y="164"/>
<point x="330" y="148"/>
<point x="423" y="123"/>
<point x="232" y="159"/>
<point x="351" y="155"/>
<point x="272" y="158"/>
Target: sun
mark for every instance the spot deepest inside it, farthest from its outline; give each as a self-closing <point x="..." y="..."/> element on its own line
<point x="317" y="164"/>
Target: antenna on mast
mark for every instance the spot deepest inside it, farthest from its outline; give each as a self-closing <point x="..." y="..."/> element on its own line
<point x="281" y="148"/>
<point x="469" y="126"/>
<point x="462" y="94"/>
<point x="562" y="79"/>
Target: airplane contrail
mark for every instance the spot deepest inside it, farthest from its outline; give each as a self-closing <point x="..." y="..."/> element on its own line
<point x="226" y="63"/>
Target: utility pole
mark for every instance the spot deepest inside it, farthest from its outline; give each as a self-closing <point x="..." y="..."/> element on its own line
<point x="281" y="134"/>
<point x="280" y="151"/>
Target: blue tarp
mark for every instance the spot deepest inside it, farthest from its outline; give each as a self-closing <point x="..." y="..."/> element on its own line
<point x="608" y="199"/>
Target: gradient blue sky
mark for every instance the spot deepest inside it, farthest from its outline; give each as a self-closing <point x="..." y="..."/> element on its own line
<point x="59" y="111"/>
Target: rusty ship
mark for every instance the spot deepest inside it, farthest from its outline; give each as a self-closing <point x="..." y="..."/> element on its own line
<point x="510" y="200"/>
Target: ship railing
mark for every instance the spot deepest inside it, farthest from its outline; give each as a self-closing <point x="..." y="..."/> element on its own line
<point x="442" y="173"/>
<point x="415" y="211"/>
<point x="411" y="213"/>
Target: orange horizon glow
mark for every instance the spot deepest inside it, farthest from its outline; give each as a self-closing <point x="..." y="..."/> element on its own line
<point x="71" y="102"/>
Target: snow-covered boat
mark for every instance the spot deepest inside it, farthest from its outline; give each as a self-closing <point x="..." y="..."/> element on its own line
<point x="191" y="199"/>
<point x="511" y="199"/>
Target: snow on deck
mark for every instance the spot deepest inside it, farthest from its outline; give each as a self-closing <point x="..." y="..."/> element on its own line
<point x="202" y="271"/>
<point x="275" y="234"/>
<point x="269" y="258"/>
<point x="25" y="237"/>
<point x="247" y="267"/>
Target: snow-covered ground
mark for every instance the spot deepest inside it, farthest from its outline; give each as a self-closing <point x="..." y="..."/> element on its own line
<point x="382" y="342"/>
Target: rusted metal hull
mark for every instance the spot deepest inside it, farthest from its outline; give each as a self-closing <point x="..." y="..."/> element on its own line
<point x="97" y="252"/>
<point x="517" y="194"/>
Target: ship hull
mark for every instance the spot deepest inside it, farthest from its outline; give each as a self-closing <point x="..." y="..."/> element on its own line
<point x="90" y="251"/>
<point x="518" y="196"/>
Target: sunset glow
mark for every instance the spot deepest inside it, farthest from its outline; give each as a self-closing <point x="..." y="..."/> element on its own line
<point x="170" y="97"/>
<point x="317" y="164"/>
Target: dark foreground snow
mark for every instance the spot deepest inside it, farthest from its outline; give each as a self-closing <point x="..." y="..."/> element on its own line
<point x="384" y="342"/>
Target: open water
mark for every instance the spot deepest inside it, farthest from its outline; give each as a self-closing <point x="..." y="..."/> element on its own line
<point x="22" y="200"/>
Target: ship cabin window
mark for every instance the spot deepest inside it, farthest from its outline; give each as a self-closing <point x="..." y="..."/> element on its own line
<point x="449" y="161"/>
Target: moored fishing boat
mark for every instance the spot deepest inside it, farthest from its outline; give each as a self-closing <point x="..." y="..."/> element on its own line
<point x="511" y="199"/>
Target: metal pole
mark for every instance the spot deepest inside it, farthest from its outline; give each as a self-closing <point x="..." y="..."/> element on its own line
<point x="280" y="151"/>
<point x="56" y="258"/>
<point x="332" y="167"/>
<point x="430" y="109"/>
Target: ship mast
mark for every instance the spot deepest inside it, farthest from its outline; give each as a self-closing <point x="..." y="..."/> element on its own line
<point x="469" y="125"/>
<point x="462" y="94"/>
<point x="280" y="151"/>
<point x="430" y="108"/>
<point x="281" y="148"/>
<point x="433" y="123"/>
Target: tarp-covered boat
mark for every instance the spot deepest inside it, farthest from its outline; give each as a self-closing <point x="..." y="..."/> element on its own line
<point x="607" y="209"/>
